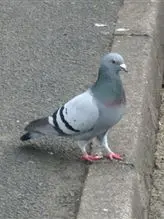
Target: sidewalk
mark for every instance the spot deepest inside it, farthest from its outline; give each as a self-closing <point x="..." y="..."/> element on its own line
<point x="122" y="190"/>
<point x="50" y="52"/>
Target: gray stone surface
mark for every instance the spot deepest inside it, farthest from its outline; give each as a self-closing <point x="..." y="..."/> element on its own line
<point x="157" y="199"/>
<point x="50" y="51"/>
<point x="122" y="190"/>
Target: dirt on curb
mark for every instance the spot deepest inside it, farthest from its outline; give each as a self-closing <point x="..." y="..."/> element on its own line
<point x="157" y="199"/>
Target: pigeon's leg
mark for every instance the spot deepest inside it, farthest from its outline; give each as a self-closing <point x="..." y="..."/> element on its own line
<point x="82" y="145"/>
<point x="104" y="143"/>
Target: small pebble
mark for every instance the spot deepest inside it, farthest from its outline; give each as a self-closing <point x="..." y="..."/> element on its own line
<point x="105" y="209"/>
<point x="50" y="152"/>
<point x="100" y="25"/>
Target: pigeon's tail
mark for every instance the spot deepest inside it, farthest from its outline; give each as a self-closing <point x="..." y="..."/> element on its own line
<point x="37" y="129"/>
<point x="25" y="137"/>
<point x="31" y="135"/>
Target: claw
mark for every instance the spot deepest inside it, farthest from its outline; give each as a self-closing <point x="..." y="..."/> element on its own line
<point x="91" y="157"/>
<point x="112" y="156"/>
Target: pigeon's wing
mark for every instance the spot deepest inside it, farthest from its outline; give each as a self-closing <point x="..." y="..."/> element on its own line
<point x="77" y="116"/>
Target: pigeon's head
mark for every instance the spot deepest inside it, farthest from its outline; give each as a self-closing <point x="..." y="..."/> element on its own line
<point x="114" y="62"/>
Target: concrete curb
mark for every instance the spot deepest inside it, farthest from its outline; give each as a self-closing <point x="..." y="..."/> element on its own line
<point x="122" y="189"/>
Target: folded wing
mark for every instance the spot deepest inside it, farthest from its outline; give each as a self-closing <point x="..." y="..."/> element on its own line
<point x="79" y="115"/>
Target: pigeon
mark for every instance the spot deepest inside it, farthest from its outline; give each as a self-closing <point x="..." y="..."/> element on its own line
<point x="90" y="114"/>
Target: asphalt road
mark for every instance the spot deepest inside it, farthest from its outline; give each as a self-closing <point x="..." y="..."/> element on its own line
<point x="50" y="51"/>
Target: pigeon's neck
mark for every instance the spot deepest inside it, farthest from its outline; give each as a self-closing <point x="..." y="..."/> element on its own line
<point x="108" y="88"/>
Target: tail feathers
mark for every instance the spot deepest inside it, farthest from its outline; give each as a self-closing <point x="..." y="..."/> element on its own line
<point x="25" y="137"/>
<point x="36" y="124"/>
<point x="31" y="135"/>
<point x="37" y="129"/>
<point x="40" y="127"/>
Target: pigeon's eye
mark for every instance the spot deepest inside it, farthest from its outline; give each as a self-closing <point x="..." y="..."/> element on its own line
<point x="113" y="61"/>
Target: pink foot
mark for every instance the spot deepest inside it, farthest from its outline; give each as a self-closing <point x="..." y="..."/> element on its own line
<point x="112" y="156"/>
<point x="91" y="157"/>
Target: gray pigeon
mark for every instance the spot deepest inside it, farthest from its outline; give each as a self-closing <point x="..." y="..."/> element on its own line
<point x="90" y="114"/>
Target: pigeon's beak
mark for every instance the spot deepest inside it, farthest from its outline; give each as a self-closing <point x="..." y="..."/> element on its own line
<point x="123" y="67"/>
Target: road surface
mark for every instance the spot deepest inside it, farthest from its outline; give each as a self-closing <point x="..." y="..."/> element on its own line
<point x="50" y="51"/>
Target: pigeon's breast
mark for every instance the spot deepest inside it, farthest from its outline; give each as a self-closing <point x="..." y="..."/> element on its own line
<point x="109" y="116"/>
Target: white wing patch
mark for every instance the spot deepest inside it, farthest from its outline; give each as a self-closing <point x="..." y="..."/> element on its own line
<point x="50" y="120"/>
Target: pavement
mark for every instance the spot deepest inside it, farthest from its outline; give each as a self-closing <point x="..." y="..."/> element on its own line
<point x="157" y="198"/>
<point x="50" y="51"/>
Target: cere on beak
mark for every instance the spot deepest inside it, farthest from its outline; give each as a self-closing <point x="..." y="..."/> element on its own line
<point x="123" y="67"/>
